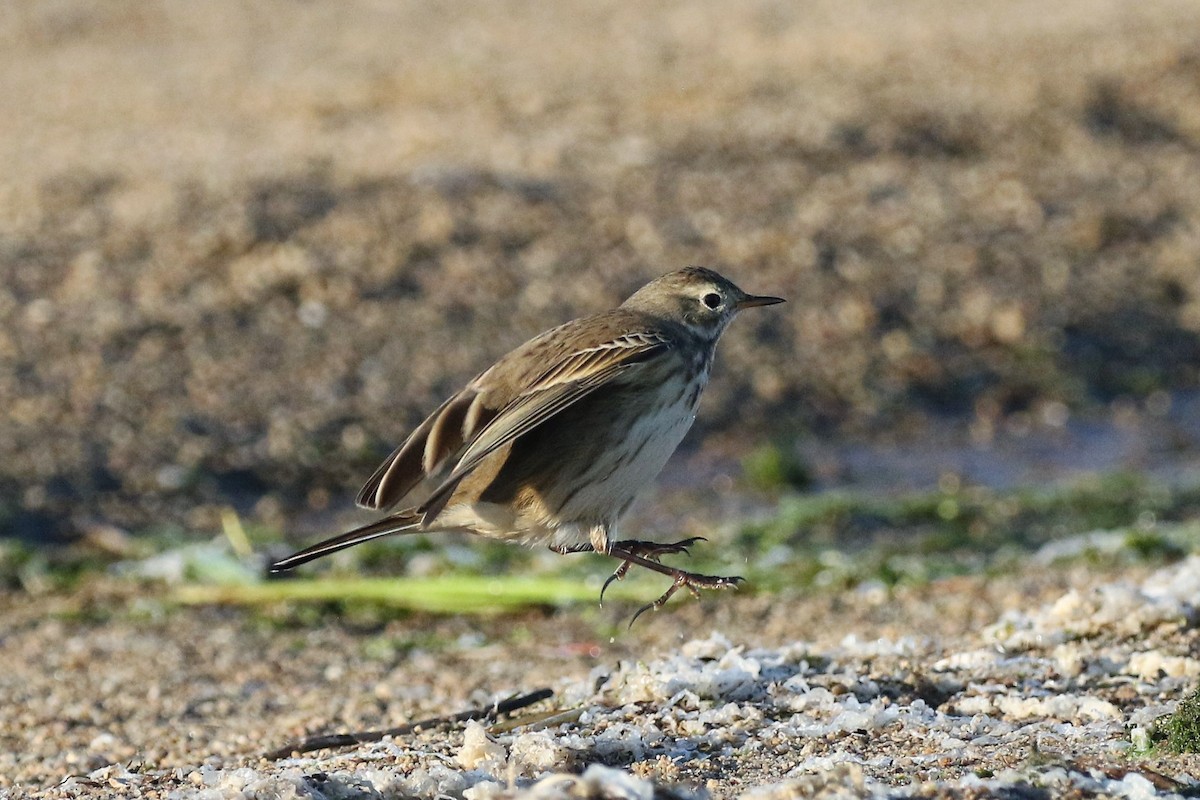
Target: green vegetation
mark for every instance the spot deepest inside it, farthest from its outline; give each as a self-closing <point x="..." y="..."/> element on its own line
<point x="843" y="539"/>
<point x="42" y="569"/>
<point x="772" y="467"/>
<point x="819" y="541"/>
<point x="1180" y="732"/>
<point x="461" y="594"/>
<point x="975" y="517"/>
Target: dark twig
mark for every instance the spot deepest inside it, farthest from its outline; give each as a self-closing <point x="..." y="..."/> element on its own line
<point x="506" y="706"/>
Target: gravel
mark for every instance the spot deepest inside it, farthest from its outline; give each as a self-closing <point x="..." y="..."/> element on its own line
<point x="1048" y="682"/>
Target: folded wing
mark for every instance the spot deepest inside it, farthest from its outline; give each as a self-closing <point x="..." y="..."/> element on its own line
<point x="484" y="417"/>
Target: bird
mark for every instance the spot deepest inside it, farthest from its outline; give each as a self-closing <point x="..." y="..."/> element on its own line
<point x="552" y="444"/>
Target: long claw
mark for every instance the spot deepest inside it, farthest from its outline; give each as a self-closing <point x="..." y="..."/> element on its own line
<point x="682" y="545"/>
<point x="694" y="583"/>
<point x="617" y="575"/>
<point x="680" y="580"/>
<point x="655" y="550"/>
<point x="641" y="611"/>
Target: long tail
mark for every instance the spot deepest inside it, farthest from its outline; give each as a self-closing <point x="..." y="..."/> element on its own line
<point x="402" y="522"/>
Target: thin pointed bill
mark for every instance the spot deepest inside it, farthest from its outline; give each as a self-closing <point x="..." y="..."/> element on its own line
<point x="752" y="301"/>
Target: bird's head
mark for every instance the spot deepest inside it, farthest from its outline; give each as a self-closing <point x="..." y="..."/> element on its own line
<point x="697" y="298"/>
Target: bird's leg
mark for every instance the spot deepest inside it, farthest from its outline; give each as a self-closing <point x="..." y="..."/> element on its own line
<point x="694" y="582"/>
<point x="650" y="550"/>
<point x="586" y="547"/>
<point x="617" y="575"/>
<point x="656" y="549"/>
<point x="647" y="554"/>
<point x="642" y="548"/>
<point x="565" y="549"/>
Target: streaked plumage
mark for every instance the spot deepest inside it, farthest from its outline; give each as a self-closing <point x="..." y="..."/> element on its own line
<point x="553" y="443"/>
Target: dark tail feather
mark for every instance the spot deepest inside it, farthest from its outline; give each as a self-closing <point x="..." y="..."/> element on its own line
<point x="403" y="522"/>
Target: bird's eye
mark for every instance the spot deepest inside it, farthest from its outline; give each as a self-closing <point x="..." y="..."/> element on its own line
<point x="712" y="300"/>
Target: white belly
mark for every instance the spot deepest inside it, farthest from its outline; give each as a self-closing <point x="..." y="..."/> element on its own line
<point x="610" y="486"/>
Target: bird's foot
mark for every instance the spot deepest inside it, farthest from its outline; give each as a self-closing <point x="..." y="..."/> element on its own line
<point x="648" y="550"/>
<point x="693" y="582"/>
<point x="647" y="554"/>
<point x="656" y="549"/>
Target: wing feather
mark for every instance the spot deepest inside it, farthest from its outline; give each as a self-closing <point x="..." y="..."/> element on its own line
<point x="569" y="380"/>
<point x="500" y="405"/>
<point x="427" y="448"/>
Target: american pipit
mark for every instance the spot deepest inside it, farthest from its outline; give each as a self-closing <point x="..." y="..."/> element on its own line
<point x="553" y="443"/>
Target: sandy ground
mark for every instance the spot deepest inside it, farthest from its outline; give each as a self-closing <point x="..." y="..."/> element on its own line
<point x="1035" y="683"/>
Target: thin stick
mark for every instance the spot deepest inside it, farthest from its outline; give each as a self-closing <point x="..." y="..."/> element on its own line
<point x="506" y="706"/>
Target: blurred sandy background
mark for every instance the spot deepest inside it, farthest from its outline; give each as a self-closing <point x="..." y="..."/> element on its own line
<point x="245" y="245"/>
